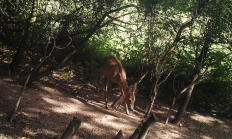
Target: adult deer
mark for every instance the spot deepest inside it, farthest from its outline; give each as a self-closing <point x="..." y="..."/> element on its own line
<point x="112" y="67"/>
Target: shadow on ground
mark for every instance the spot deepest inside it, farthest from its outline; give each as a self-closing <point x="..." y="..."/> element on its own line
<point x="47" y="108"/>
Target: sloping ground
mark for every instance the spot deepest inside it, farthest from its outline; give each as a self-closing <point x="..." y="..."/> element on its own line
<point x="48" y="106"/>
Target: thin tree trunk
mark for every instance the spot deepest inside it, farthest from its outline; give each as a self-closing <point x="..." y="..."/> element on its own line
<point x="56" y="67"/>
<point x="19" y="100"/>
<point x="153" y="100"/>
<point x="169" y="111"/>
<point x="117" y="102"/>
<point x="26" y="82"/>
<point x="196" y="72"/>
<point x="71" y="129"/>
<point x="142" y="129"/>
<point x="146" y="126"/>
<point x="183" y="106"/>
<point x="21" y="48"/>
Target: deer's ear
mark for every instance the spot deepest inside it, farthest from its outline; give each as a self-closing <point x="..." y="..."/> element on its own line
<point x="120" y="74"/>
<point x="116" y="71"/>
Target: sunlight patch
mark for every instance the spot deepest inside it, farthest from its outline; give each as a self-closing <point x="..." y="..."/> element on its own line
<point x="206" y="137"/>
<point x="39" y="131"/>
<point x="31" y="114"/>
<point x="62" y="107"/>
<point x="201" y="118"/>
<point x="168" y="134"/>
<point x="110" y="121"/>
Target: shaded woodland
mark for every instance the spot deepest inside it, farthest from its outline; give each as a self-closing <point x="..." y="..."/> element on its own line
<point x="176" y="51"/>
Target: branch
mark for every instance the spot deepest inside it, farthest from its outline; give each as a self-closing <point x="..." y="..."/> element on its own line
<point x="195" y="14"/>
<point x="25" y="84"/>
<point x="186" y="88"/>
<point x="168" y="75"/>
<point x="72" y="128"/>
<point x="117" y="18"/>
<point x="67" y="44"/>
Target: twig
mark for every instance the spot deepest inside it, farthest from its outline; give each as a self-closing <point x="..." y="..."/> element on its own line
<point x="87" y="79"/>
<point x="25" y="84"/>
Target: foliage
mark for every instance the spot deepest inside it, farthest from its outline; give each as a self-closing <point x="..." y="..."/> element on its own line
<point x="215" y="91"/>
<point x="135" y="32"/>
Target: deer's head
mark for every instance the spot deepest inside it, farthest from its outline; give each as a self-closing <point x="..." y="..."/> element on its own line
<point x="130" y="96"/>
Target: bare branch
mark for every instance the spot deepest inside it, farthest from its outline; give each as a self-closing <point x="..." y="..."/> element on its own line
<point x="67" y="44"/>
<point x="168" y="75"/>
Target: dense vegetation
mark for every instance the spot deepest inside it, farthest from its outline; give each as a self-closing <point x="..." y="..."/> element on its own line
<point x="182" y="43"/>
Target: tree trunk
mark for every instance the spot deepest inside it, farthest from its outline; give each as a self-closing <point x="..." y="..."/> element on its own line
<point x="142" y="129"/>
<point x="21" y="48"/>
<point x="71" y="129"/>
<point x="56" y="67"/>
<point x="153" y="99"/>
<point x="20" y="97"/>
<point x="18" y="58"/>
<point x="183" y="106"/>
<point x="117" y="102"/>
<point x="169" y="111"/>
<point x="196" y="72"/>
<point x="25" y="84"/>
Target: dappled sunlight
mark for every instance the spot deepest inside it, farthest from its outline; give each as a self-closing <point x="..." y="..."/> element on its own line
<point x="159" y="130"/>
<point x="211" y="120"/>
<point x="39" y="131"/>
<point x="167" y="134"/>
<point x="202" y="118"/>
<point x="97" y="130"/>
<point x="34" y="114"/>
<point x="46" y="112"/>
<point x="62" y="107"/>
<point x="102" y="124"/>
<point x="206" y="137"/>
<point x="111" y="121"/>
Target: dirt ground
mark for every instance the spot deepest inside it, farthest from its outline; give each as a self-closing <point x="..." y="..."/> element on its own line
<point x="48" y="106"/>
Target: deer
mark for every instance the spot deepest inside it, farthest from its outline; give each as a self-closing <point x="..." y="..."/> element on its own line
<point x="112" y="68"/>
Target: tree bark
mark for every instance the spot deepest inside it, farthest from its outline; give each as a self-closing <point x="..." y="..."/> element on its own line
<point x="117" y="102"/>
<point x="20" y="97"/>
<point x="21" y="48"/>
<point x="71" y="129"/>
<point x="169" y="111"/>
<point x="183" y="106"/>
<point x="153" y="99"/>
<point x="142" y="129"/>
<point x="196" y="72"/>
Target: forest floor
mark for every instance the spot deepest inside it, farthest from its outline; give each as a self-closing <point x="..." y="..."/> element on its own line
<point x="48" y="106"/>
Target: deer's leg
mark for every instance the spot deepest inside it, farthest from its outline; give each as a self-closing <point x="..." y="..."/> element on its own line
<point x="97" y="89"/>
<point x="126" y="107"/>
<point x="108" y="89"/>
<point x="106" y="84"/>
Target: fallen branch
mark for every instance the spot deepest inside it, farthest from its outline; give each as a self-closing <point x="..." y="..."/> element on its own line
<point x="71" y="129"/>
<point x="25" y="84"/>
<point x="142" y="129"/>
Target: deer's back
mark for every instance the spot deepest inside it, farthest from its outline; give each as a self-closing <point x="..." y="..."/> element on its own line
<point x="112" y="67"/>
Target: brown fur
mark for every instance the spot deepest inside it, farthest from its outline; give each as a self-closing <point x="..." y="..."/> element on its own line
<point x="112" y="67"/>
